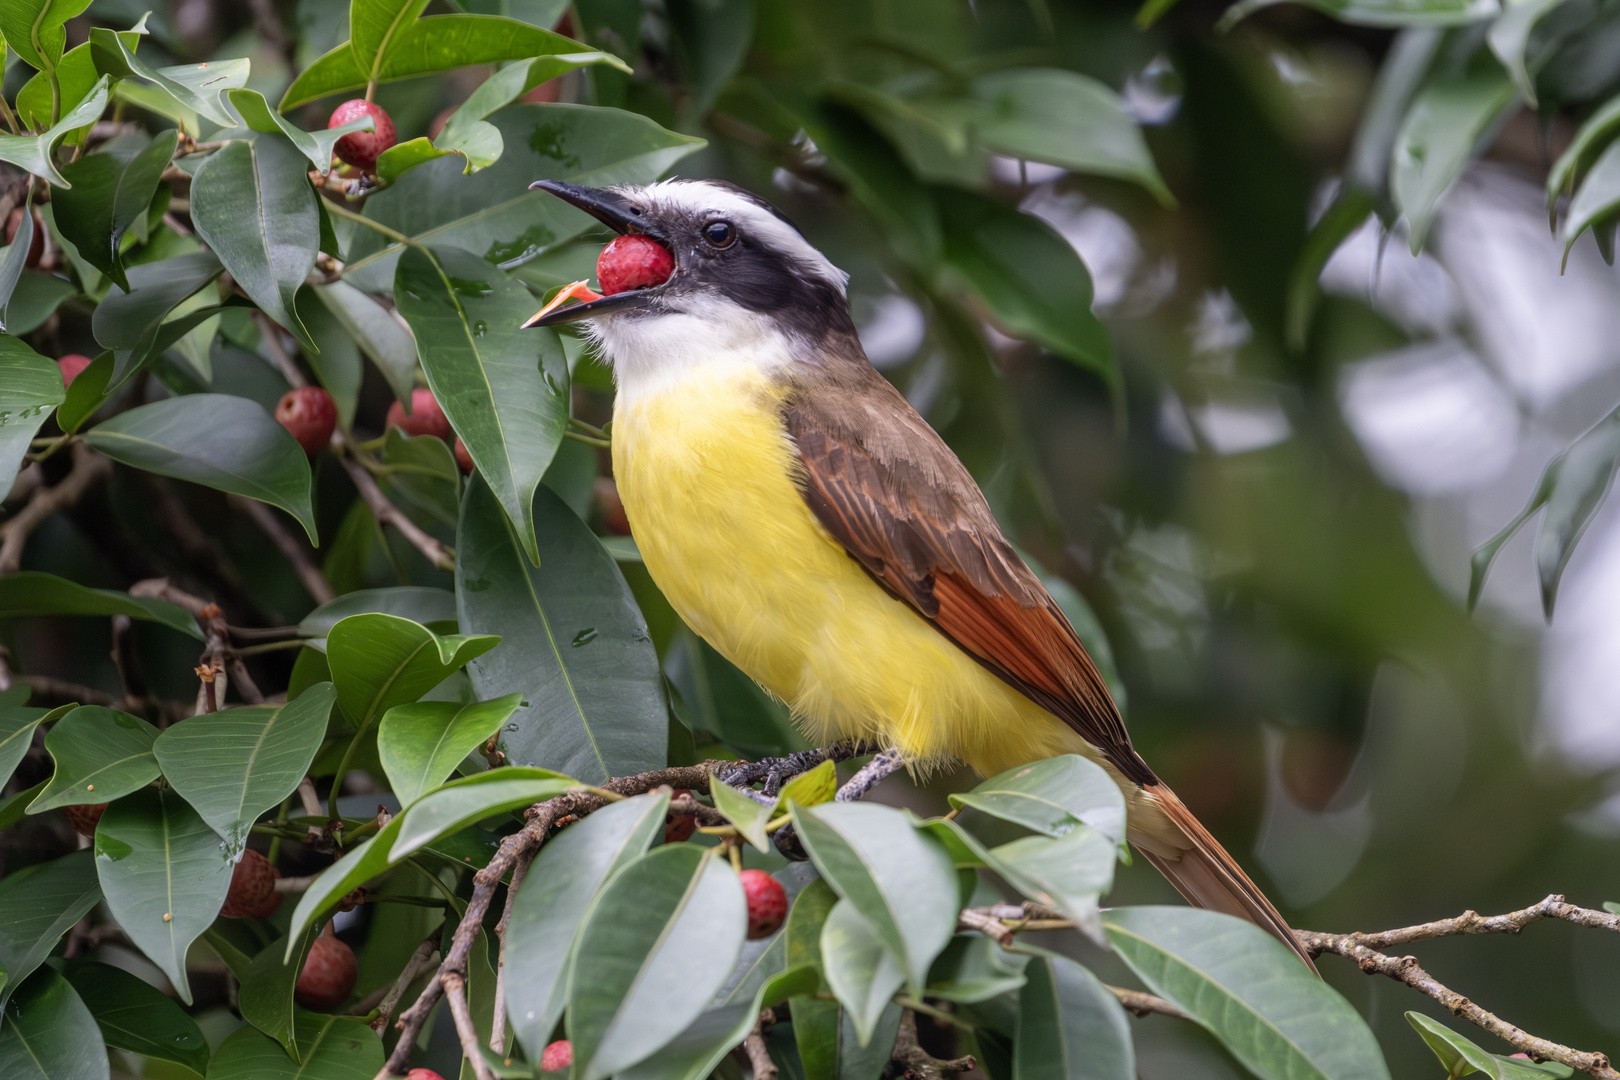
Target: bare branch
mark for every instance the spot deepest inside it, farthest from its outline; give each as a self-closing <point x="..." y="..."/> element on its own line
<point x="918" y="1063"/>
<point x="413" y="967"/>
<point x="88" y="467"/>
<point x="278" y="350"/>
<point x="291" y="548"/>
<point x="455" y="989"/>
<point x="1142" y="1003"/>
<point x="759" y="1058"/>
<point x="1471" y="922"/>
<point x="497" y="1031"/>
<point x="389" y="514"/>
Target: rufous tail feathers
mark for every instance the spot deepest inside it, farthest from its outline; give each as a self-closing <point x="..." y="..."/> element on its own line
<point x="1210" y="878"/>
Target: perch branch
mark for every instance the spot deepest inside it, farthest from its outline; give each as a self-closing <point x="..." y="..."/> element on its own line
<point x="919" y="1064"/>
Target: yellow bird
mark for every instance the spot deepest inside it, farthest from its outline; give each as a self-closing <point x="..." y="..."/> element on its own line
<point x="807" y="523"/>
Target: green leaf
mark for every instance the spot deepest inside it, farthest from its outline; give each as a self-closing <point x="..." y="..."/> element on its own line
<point x="38" y="904"/>
<point x="1509" y="38"/>
<point x="379" y="661"/>
<point x="232" y="766"/>
<point x="342" y="1048"/>
<point x="35" y="153"/>
<point x="974" y="969"/>
<point x="401" y="158"/>
<point x="422" y="47"/>
<point x="1596" y="198"/>
<point x="861" y="971"/>
<point x="388" y="344"/>
<point x="12" y="808"/>
<point x="473" y="798"/>
<point x="35" y="299"/>
<point x="133" y="324"/>
<point x="1342" y="218"/>
<point x="15" y="261"/>
<point x="1032" y="280"/>
<point x="727" y="704"/>
<point x="17" y="724"/>
<point x="76" y="77"/>
<point x="422" y="477"/>
<point x="492" y="213"/>
<point x="1070" y="1026"/>
<point x="565" y="876"/>
<point x="1463" y="1057"/>
<point x="252" y="203"/>
<point x="1597" y="130"/>
<point x="100" y="755"/>
<point x="374" y="25"/>
<point x="812" y="788"/>
<point x="257" y="114"/>
<point x="218" y="440"/>
<point x="414" y="602"/>
<point x="31" y="592"/>
<point x="823" y="1032"/>
<point x="265" y="999"/>
<point x="1443" y="125"/>
<point x="134" y="1015"/>
<point x="195" y="87"/>
<point x="358" y="866"/>
<point x="577" y="644"/>
<point x="747" y="815"/>
<point x="658" y="941"/>
<point x="48" y="1034"/>
<point x="504" y="388"/>
<point x="711" y="39"/>
<point x="1391" y="13"/>
<point x="34" y="28"/>
<point x="1270" y="1012"/>
<point x="165" y="874"/>
<point x="1052" y="797"/>
<point x="30" y="387"/>
<point x="1070" y="873"/>
<point x="901" y="879"/>
<point x="422" y="743"/>
<point x="107" y="197"/>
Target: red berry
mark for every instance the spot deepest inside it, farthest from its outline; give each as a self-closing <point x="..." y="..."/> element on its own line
<point x="85" y="818"/>
<point x="767" y="903"/>
<point x="252" y="883"/>
<point x="426" y="417"/>
<point x="36" y="246"/>
<point x="463" y="459"/>
<point x="329" y="974"/>
<point x="557" y="1056"/>
<point x="633" y="262"/>
<point x="271" y="902"/>
<point x="423" y="1074"/>
<point x="678" y="827"/>
<point x="310" y="414"/>
<point x="360" y="148"/>
<point x="71" y="365"/>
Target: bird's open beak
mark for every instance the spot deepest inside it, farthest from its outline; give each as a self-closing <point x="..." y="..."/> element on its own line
<point x="612" y="211"/>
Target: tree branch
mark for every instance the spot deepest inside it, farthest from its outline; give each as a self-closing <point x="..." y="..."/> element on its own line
<point x="389" y="514"/>
<point x="759" y="1058"/>
<point x="291" y="548"/>
<point x="88" y="467"/>
<point x="917" y="1063"/>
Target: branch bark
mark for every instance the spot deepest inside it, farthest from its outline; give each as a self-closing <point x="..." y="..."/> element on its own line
<point x="919" y="1064"/>
<point x="291" y="548"/>
<point x="389" y="514"/>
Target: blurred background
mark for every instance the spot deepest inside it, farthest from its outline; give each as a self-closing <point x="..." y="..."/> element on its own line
<point x="1269" y="527"/>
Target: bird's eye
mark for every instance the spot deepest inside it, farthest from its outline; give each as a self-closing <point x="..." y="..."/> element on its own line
<point x="719" y="234"/>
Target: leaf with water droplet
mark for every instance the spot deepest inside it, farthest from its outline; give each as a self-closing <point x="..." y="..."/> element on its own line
<point x="585" y="637"/>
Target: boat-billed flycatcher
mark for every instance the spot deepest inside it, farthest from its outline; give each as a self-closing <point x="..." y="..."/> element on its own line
<point x="807" y="523"/>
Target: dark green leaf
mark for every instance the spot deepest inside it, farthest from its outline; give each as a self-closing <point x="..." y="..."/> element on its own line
<point x="165" y="874"/>
<point x="107" y="197"/>
<point x="267" y="984"/>
<point x="421" y="47"/>
<point x="15" y="260"/>
<point x="1381" y="12"/>
<point x="48" y="1034"/>
<point x="658" y="941"/>
<point x="1346" y="214"/>
<point x="974" y="969"/>
<point x="414" y="602"/>
<point x="232" y="766"/>
<point x="1032" y="280"/>
<point x="421" y="743"/>
<point x="1270" y="1011"/>
<point x="711" y="39"/>
<point x="17" y="724"/>
<point x="314" y="145"/>
<point x="358" y="866"/>
<point x="134" y="1015"/>
<point x="34" y="28"/>
<point x="1594" y="133"/>
<point x="100" y="755"/>
<point x="132" y="324"/>
<point x="473" y="798"/>
<point x="1052" y="797"/>
<point x="504" y="388"/>
<point x="422" y="477"/>
<point x="337" y="365"/>
<point x="388" y="344"/>
<point x="30" y="592"/>
<point x="898" y="877"/>
<point x="547" y="913"/>
<point x="35" y="153"/>
<point x="35" y="299"/>
<point x="218" y="440"/>
<point x="379" y="661"/>
<point x="1070" y="1026"/>
<point x="37" y="906"/>
<point x="342" y="1048"/>
<point x="1443" y="126"/>
<point x="1463" y="1057"/>
<point x="196" y="87"/>
<point x="577" y="645"/>
<point x="12" y="807"/>
<point x="1596" y="198"/>
<point x="728" y="704"/>
<point x="87" y="394"/>
<point x="861" y="971"/>
<point x="30" y="387"/>
<point x="251" y="201"/>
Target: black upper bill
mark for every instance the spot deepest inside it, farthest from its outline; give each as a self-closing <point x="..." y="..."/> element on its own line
<point x="603" y="205"/>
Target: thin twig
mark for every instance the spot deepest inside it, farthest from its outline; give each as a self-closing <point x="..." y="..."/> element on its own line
<point x="278" y="351"/>
<point x="497" y="1032"/>
<point x="413" y="967"/>
<point x="291" y="548"/>
<point x="455" y="992"/>
<point x="1142" y="1003"/>
<point x="387" y="513"/>
<point x="88" y="467"/>
<point x="759" y="1058"/>
<point x="1471" y="922"/>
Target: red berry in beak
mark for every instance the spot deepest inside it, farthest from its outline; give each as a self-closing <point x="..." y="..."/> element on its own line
<point x="633" y="262"/>
<point x="360" y="148"/>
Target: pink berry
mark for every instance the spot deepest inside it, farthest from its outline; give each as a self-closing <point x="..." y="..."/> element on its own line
<point x="310" y="414"/>
<point x="71" y="365"/>
<point x="633" y="262"/>
<point x="426" y="418"/>
<point x="252" y="883"/>
<point x="85" y="818"/>
<point x="557" y="1056"/>
<point x="464" y="460"/>
<point x="423" y="1074"/>
<point x="767" y="903"/>
<point x="360" y="148"/>
<point x="329" y="974"/>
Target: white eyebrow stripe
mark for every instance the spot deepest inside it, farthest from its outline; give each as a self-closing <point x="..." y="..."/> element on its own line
<point x="696" y="197"/>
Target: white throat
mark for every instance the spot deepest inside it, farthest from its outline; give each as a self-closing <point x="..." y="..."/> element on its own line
<point x="650" y="354"/>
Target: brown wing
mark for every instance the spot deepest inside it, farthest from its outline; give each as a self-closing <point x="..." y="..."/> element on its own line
<point x="895" y="496"/>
